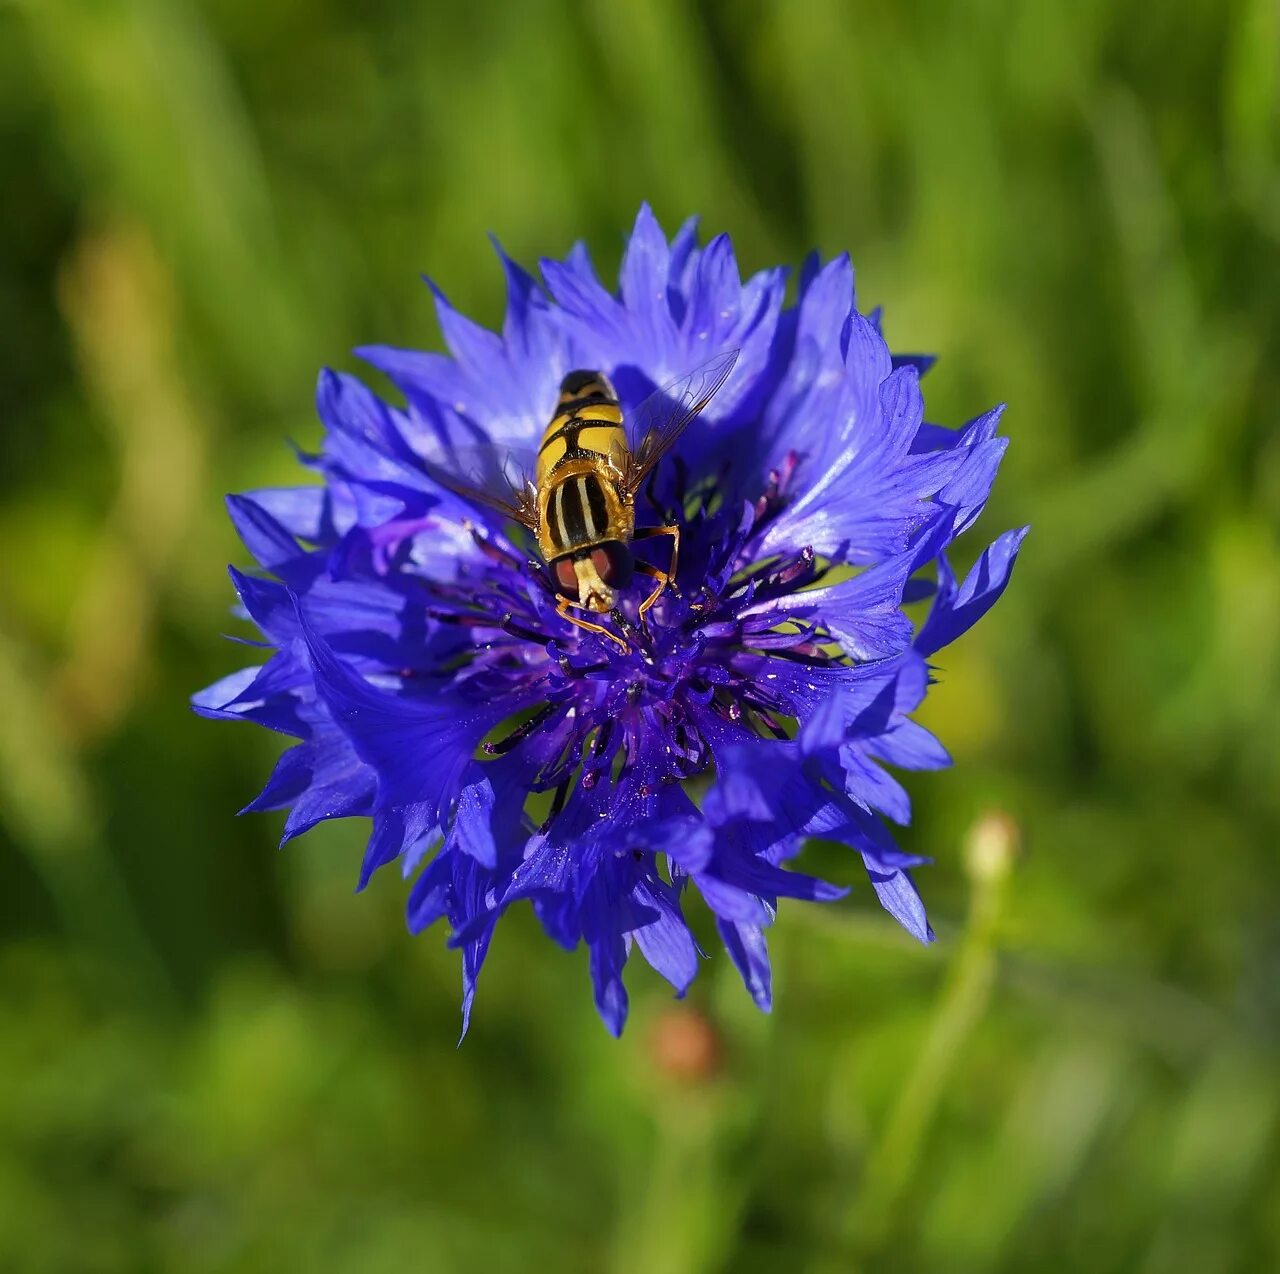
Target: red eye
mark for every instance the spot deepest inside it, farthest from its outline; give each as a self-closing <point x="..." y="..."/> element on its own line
<point x="604" y="566"/>
<point x="613" y="563"/>
<point x="565" y="577"/>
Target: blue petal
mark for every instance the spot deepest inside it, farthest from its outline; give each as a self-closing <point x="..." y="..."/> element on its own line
<point x="365" y="618"/>
<point x="768" y="782"/>
<point x="817" y="399"/>
<point x="666" y="942"/>
<point x="749" y="952"/>
<point x="473" y="954"/>
<point x="472" y="830"/>
<point x="365" y="437"/>
<point x="419" y="748"/>
<point x="910" y="746"/>
<point x="732" y="902"/>
<point x="964" y="495"/>
<point x="642" y="280"/>
<point x="212" y="701"/>
<point x="685" y="839"/>
<point x="430" y="898"/>
<point x="305" y="512"/>
<point x="899" y="897"/>
<point x="476" y="349"/>
<point x="489" y="822"/>
<point x="558" y="915"/>
<point x="716" y="300"/>
<point x="470" y="882"/>
<point x="956" y="610"/>
<point x="684" y="262"/>
<point x="396" y="828"/>
<point x="825" y="728"/>
<point x="921" y="362"/>
<point x="607" y="954"/>
<point x="863" y="613"/>
<point x="530" y="332"/>
<point x="438" y="391"/>
<point x="576" y="289"/>
<point x="548" y="867"/>
<point x="321" y="779"/>
<point x="241" y="697"/>
<point x="770" y="882"/>
<point x="271" y="545"/>
<point x="747" y="781"/>
<point x="869" y="501"/>
<point x="866" y="782"/>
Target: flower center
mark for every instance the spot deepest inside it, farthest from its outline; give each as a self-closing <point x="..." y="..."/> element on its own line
<point x="711" y="663"/>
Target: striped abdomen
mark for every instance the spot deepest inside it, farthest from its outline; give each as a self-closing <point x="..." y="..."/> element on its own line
<point x="580" y="461"/>
<point x="587" y="424"/>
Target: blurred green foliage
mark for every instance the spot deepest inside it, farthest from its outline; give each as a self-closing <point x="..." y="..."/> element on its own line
<point x="214" y="1058"/>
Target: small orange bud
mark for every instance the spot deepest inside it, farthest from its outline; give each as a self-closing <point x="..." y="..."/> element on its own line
<point x="685" y="1046"/>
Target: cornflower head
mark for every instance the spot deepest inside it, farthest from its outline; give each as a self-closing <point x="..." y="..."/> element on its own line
<point x="424" y="659"/>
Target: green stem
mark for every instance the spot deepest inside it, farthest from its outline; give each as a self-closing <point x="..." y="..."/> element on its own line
<point x="672" y="1226"/>
<point x="962" y="1003"/>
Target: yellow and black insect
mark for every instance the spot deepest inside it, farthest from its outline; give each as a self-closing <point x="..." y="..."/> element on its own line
<point x="580" y="500"/>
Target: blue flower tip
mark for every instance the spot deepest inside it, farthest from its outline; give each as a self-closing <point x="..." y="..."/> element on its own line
<point x="329" y="382"/>
<point x="444" y="308"/>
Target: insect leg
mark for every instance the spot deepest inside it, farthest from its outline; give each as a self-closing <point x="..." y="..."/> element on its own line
<point x="663" y="577"/>
<point x="562" y="609"/>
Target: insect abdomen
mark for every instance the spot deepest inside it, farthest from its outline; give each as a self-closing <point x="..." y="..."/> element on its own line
<point x="587" y="424"/>
<point x="578" y="513"/>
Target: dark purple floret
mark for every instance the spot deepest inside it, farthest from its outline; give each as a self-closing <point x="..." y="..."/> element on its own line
<point x="503" y="754"/>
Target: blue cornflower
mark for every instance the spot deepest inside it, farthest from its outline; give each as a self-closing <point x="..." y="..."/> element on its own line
<point x="504" y="754"/>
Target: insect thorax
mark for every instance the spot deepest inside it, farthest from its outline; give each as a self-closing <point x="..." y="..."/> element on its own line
<point x="581" y="506"/>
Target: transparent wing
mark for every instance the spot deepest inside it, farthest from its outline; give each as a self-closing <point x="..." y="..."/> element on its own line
<point x="494" y="477"/>
<point x="655" y="425"/>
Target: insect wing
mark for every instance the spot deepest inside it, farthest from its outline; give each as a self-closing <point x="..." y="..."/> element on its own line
<point x="658" y="422"/>
<point x="493" y="477"/>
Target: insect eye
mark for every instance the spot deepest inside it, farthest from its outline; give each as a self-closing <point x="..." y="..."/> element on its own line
<point x="566" y="579"/>
<point x="613" y="563"/>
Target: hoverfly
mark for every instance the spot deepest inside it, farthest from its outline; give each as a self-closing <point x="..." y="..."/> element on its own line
<point x="580" y="501"/>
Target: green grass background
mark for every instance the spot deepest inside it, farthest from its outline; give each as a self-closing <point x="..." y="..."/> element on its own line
<point x="214" y="1058"/>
